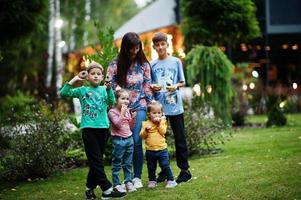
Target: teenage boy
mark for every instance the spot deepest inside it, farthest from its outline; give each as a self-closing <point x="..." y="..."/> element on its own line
<point x="167" y="78"/>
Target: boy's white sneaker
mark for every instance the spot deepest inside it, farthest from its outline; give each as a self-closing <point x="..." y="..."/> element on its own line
<point x="120" y="188"/>
<point x="137" y="183"/>
<point x="130" y="187"/>
<point x="171" y="184"/>
<point x="152" y="184"/>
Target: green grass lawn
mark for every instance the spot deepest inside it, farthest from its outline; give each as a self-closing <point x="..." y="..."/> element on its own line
<point x="258" y="163"/>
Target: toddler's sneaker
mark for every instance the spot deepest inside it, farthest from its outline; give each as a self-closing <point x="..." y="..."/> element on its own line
<point x="130" y="187"/>
<point x="90" y="195"/>
<point x="137" y="183"/>
<point x="112" y="193"/>
<point x="184" y="176"/>
<point x="152" y="184"/>
<point x="171" y="184"/>
<point x="120" y="188"/>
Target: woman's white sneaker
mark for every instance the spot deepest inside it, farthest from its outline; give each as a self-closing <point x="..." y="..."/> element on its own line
<point x="137" y="183"/>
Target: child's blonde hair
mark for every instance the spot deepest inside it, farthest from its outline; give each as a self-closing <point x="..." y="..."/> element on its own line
<point x="119" y="92"/>
<point x="152" y="104"/>
<point x="93" y="65"/>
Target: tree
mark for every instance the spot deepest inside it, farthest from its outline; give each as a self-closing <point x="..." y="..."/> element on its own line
<point x="216" y="23"/>
<point x="211" y="67"/>
<point x="219" y="22"/>
<point x="22" y="43"/>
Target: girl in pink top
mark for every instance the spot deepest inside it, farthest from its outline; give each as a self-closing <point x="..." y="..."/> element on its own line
<point x="123" y="145"/>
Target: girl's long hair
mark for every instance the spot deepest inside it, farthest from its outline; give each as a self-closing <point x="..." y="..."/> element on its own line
<point x="124" y="59"/>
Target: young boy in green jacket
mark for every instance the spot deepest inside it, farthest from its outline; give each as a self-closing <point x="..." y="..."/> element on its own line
<point x="94" y="100"/>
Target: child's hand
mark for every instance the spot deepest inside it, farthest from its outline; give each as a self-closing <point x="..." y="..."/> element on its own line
<point x="155" y="87"/>
<point x="172" y="88"/>
<point x="157" y="120"/>
<point x="123" y="109"/>
<point x="75" y="79"/>
<point x="133" y="113"/>
<point x="107" y="84"/>
<point x="148" y="128"/>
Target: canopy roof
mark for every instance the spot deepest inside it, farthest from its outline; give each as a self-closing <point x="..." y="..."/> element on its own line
<point x="159" y="14"/>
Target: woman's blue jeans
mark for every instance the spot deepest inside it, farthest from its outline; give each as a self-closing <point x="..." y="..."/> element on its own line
<point x="138" y="151"/>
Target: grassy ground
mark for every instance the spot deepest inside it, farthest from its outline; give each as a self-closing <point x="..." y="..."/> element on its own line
<point x="260" y="163"/>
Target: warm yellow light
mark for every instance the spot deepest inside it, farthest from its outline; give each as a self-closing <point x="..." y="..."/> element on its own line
<point x="295" y="86"/>
<point x="252" y="86"/>
<point x="243" y="47"/>
<point x="267" y="48"/>
<point x="181" y="53"/>
<point x="295" y="47"/>
<point x="223" y="49"/>
<point x="244" y="87"/>
<point x="209" y="89"/>
<point x="282" y="104"/>
<point x="197" y="89"/>
<point x="285" y="46"/>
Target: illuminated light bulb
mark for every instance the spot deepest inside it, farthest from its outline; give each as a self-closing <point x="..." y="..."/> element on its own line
<point x="252" y="86"/>
<point x="267" y="48"/>
<point x="244" y="87"/>
<point x="282" y="104"/>
<point x="295" y="47"/>
<point x="209" y="89"/>
<point x="61" y="43"/>
<point x="223" y="49"/>
<point x="295" y="86"/>
<point x="255" y="74"/>
<point x="285" y="46"/>
<point x="197" y="89"/>
<point x="58" y="23"/>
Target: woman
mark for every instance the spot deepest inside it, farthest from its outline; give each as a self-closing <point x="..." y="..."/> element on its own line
<point x="131" y="71"/>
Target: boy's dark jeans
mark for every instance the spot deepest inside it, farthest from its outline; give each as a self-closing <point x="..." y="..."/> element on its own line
<point x="161" y="156"/>
<point x="178" y="129"/>
<point x="95" y="140"/>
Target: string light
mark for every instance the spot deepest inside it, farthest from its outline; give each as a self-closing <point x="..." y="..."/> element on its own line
<point x="295" y="86"/>
<point x="61" y="43"/>
<point x="209" y="89"/>
<point x="197" y="89"/>
<point x="252" y="86"/>
<point x="285" y="46"/>
<point x="267" y="48"/>
<point x="244" y="87"/>
<point x="58" y="23"/>
<point x="255" y="74"/>
<point x="295" y="47"/>
<point x="282" y="104"/>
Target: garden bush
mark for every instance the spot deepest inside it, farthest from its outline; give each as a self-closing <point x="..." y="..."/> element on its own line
<point x="35" y="149"/>
<point x="275" y="115"/>
<point x="203" y="131"/>
<point x="17" y="107"/>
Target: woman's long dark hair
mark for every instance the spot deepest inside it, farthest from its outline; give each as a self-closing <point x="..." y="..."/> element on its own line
<point x="124" y="59"/>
